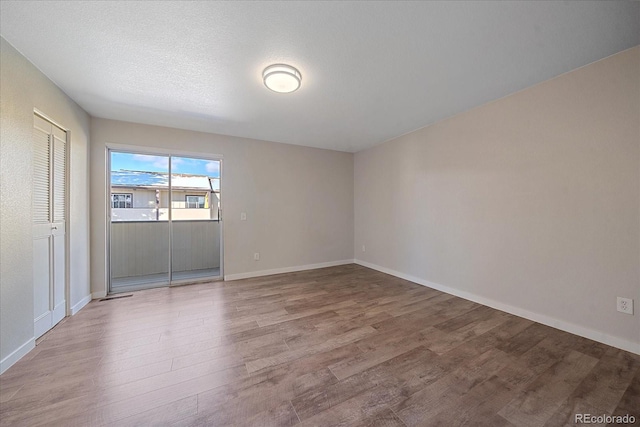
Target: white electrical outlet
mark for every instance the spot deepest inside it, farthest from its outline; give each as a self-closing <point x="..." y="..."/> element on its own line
<point x="625" y="305"/>
<point x="256" y="256"/>
<point x="364" y="249"/>
<point x="243" y="216"/>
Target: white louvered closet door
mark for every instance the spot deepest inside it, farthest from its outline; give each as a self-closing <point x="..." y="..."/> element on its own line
<point x="49" y="212"/>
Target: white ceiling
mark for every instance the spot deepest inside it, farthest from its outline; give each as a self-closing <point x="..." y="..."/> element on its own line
<point x="370" y="71"/>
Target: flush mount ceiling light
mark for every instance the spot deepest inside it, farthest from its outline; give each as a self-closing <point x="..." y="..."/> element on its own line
<point x="281" y="78"/>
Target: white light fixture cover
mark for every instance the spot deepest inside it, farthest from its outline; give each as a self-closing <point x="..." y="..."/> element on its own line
<point x="281" y="78"/>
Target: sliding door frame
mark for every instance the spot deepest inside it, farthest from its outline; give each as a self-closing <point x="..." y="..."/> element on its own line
<point x="152" y="151"/>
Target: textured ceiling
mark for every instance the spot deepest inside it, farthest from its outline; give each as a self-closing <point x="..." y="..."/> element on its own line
<point x="370" y="71"/>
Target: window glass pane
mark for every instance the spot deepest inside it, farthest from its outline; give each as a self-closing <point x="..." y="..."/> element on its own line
<point x="195" y="189"/>
<point x="194" y="219"/>
<point x="139" y="241"/>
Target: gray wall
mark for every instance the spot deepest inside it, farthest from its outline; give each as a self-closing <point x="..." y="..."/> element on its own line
<point x="531" y="202"/>
<point x="24" y="88"/>
<point x="298" y="200"/>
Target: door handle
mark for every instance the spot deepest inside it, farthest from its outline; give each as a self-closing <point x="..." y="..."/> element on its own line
<point x="53" y="227"/>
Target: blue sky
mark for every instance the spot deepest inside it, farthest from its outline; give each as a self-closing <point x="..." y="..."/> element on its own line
<point x="147" y="163"/>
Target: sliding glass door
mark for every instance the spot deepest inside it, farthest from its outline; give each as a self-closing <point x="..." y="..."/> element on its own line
<point x="164" y="220"/>
<point x="195" y="219"/>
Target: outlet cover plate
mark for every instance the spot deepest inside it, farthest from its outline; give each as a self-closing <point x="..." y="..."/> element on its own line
<point x="625" y="305"/>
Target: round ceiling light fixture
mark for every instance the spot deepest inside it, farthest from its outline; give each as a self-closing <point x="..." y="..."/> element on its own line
<point x="281" y="78"/>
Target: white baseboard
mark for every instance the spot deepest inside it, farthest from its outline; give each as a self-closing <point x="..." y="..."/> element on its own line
<point x="16" y="355"/>
<point x="261" y="273"/>
<point x="517" y="311"/>
<point x="98" y="295"/>
<point x="80" y="304"/>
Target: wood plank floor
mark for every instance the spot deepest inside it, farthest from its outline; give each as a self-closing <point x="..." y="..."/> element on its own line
<point x="336" y="346"/>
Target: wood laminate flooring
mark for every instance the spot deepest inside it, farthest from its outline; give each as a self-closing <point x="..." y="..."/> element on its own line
<point x="336" y="346"/>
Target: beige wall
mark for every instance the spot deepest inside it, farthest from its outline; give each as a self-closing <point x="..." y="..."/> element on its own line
<point x="144" y="202"/>
<point x="24" y="88"/>
<point x="146" y="198"/>
<point x="532" y="201"/>
<point x="142" y="198"/>
<point x="277" y="185"/>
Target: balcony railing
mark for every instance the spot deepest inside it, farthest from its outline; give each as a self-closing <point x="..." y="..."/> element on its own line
<point x="141" y="248"/>
<point x="162" y="214"/>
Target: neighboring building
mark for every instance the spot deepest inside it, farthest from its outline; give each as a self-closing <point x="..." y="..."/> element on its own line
<point x="144" y="196"/>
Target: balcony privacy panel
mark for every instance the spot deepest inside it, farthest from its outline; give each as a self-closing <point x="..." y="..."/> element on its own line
<point x="140" y="248"/>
